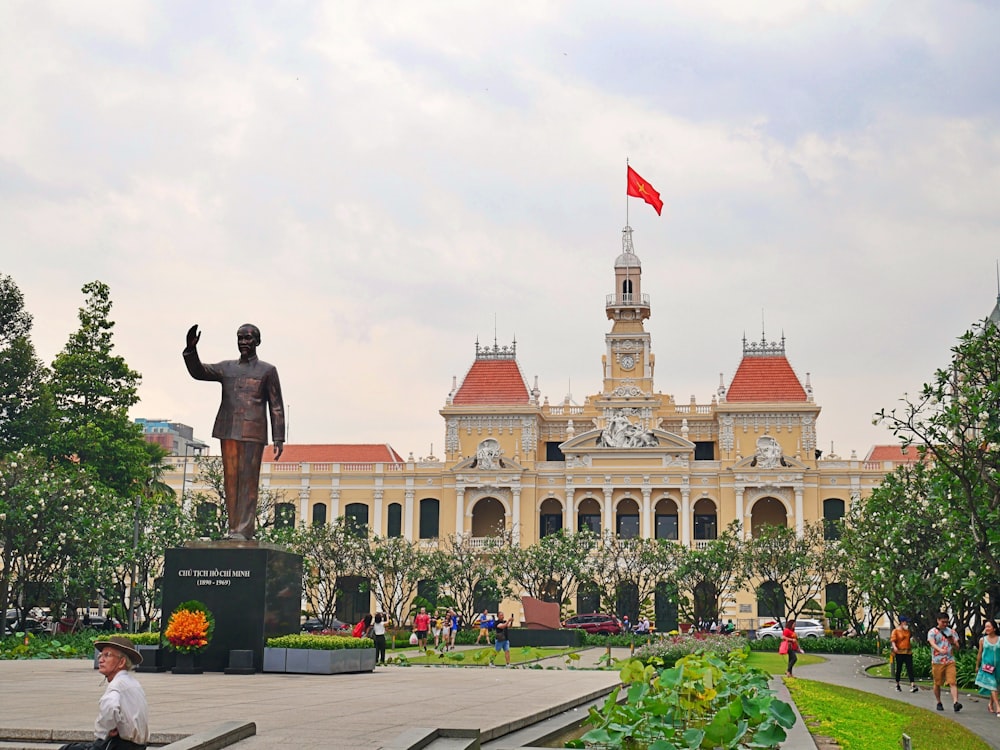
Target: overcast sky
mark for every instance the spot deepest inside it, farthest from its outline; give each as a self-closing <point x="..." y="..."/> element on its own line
<point x="377" y="184"/>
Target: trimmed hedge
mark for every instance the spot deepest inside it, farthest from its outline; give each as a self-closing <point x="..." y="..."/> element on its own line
<point x="871" y="645"/>
<point x="320" y="642"/>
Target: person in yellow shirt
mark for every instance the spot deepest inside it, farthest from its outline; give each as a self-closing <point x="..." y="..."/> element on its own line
<point x="902" y="652"/>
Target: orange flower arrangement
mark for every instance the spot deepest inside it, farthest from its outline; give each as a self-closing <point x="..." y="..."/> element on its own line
<point x="190" y="628"/>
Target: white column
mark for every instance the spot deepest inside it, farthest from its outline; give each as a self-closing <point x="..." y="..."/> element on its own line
<point x="304" y="505"/>
<point x="647" y="515"/>
<point x="686" y="517"/>
<point x="740" y="512"/>
<point x="408" y="515"/>
<point x="377" y="515"/>
<point x="334" y="504"/>
<point x="799" y="527"/>
<point x="459" y="510"/>
<point x="515" y="525"/>
<point x="608" y="522"/>
<point x="569" y="511"/>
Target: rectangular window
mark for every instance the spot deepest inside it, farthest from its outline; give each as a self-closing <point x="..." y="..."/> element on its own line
<point x="552" y="452"/>
<point x="666" y="527"/>
<point x="628" y="527"/>
<point x="589" y="522"/>
<point x="705" y="527"/>
<point x="704" y="450"/>
<point x="549" y="523"/>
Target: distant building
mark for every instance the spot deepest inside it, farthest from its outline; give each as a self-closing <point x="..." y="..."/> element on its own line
<point x="174" y="437"/>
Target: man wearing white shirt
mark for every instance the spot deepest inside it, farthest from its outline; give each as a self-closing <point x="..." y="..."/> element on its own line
<point x="123" y="715"/>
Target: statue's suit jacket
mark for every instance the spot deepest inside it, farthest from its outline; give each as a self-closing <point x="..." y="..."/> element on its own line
<point x="250" y="390"/>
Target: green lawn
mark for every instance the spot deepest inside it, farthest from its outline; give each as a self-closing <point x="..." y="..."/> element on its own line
<point x="481" y="657"/>
<point x="862" y="721"/>
<point x="777" y="663"/>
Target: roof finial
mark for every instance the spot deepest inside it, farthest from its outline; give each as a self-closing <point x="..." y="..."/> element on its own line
<point x="627" y="240"/>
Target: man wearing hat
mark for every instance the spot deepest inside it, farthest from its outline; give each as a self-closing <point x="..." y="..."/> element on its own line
<point x="123" y="719"/>
<point x="902" y="652"/>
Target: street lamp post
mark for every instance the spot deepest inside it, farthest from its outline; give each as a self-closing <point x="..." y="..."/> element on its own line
<point x="188" y="446"/>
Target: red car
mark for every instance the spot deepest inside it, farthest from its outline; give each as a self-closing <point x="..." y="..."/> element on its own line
<point x="595" y="624"/>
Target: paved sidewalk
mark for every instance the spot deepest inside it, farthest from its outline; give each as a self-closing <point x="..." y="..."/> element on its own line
<point x="359" y="711"/>
<point x="849" y="671"/>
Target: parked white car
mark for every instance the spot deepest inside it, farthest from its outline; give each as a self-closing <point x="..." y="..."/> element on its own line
<point x="803" y="628"/>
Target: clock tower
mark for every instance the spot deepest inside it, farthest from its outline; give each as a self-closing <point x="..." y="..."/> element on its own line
<point x="628" y="361"/>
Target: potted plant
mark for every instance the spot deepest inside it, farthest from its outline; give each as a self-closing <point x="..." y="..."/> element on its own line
<point x="188" y="632"/>
<point x="319" y="654"/>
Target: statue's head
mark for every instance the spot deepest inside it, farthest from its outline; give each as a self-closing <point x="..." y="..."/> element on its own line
<point x="248" y="338"/>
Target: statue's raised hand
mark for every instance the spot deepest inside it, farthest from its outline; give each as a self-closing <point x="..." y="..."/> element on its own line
<point x="193" y="336"/>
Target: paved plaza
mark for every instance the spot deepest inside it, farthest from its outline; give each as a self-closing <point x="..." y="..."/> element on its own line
<point x="371" y="710"/>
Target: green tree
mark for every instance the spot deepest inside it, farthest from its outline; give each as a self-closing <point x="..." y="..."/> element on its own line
<point x="465" y="569"/>
<point x="705" y="576"/>
<point x="955" y="420"/>
<point x="53" y="522"/>
<point x="798" y="566"/>
<point x="394" y="566"/>
<point x="550" y="568"/>
<point x="626" y="572"/>
<point x="906" y="552"/>
<point x="25" y="405"/>
<point x="93" y="390"/>
<point x="329" y="552"/>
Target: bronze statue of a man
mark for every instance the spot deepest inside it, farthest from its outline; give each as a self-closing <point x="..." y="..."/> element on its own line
<point x="250" y="390"/>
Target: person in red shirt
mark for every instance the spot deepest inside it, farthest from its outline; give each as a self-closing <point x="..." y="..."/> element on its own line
<point x="790" y="645"/>
<point x="421" y="624"/>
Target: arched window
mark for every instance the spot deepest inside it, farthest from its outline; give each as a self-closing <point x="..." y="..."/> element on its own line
<point x="627" y="519"/>
<point x="284" y="516"/>
<point x="485" y="595"/>
<point x="588" y="598"/>
<point x="666" y="519"/>
<point x="706" y="602"/>
<point x="319" y="514"/>
<point x="430" y="513"/>
<point x="833" y="514"/>
<point x="626" y="288"/>
<point x="706" y="524"/>
<point x="627" y="595"/>
<point x="665" y="607"/>
<point x="771" y="601"/>
<point x="354" y="600"/>
<point x="395" y="525"/>
<point x="356" y="515"/>
<point x="768" y="511"/>
<point x="588" y="517"/>
<point x="488" y="517"/>
<point x="550" y="517"/>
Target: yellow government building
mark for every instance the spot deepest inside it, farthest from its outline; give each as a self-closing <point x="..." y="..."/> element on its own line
<point x="629" y="459"/>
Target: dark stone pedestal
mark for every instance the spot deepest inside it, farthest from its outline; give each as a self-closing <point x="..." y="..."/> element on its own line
<point x="254" y="591"/>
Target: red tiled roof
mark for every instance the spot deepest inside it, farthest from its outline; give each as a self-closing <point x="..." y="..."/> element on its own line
<point x="492" y="381"/>
<point x="893" y="453"/>
<point x="765" y="379"/>
<point x="345" y="453"/>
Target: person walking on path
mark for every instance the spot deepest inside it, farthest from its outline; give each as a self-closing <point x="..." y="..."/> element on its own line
<point x="421" y="624"/>
<point x="987" y="662"/>
<point x="943" y="641"/>
<point x="484" y="627"/>
<point x="902" y="652"/>
<point x="377" y="631"/>
<point x="789" y="645"/>
<point x="501" y="638"/>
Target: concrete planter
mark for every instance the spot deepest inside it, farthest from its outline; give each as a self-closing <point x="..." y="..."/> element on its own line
<point x="275" y="659"/>
<point x="319" y="661"/>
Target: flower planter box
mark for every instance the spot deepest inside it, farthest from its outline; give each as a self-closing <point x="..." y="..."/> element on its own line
<point x="319" y="661"/>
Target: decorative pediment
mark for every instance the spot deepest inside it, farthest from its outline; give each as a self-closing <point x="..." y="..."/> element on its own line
<point x="503" y="465"/>
<point x="784" y="464"/>
<point x="656" y="442"/>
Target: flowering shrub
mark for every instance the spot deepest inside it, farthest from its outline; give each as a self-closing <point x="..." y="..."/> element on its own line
<point x="320" y="642"/>
<point x="666" y="650"/>
<point x="190" y="628"/>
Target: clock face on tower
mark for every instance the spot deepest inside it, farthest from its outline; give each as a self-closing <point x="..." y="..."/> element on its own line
<point x="627" y="361"/>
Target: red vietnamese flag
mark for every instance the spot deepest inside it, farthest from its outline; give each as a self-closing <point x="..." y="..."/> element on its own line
<point x="639" y="188"/>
